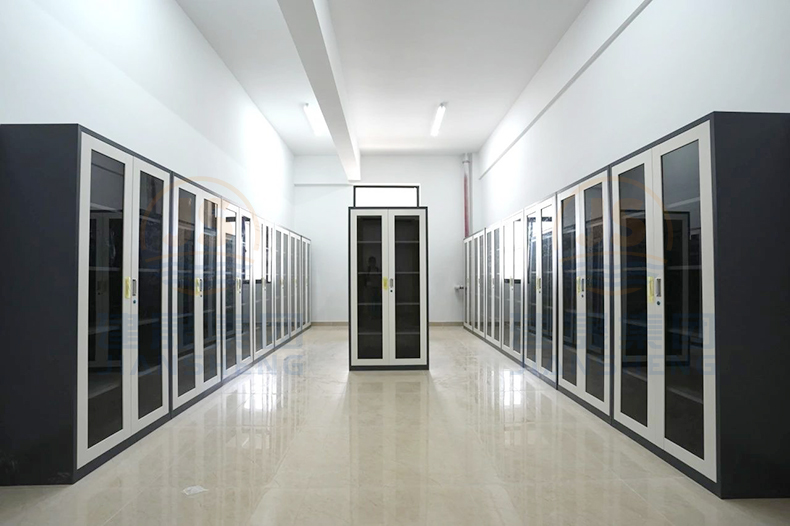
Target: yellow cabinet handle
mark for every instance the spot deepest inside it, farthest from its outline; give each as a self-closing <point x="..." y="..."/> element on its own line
<point x="651" y="289"/>
<point x="127" y="288"/>
<point x="578" y="285"/>
<point x="384" y="282"/>
<point x="197" y="285"/>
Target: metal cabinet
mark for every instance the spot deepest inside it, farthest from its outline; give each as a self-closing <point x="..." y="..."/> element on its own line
<point x="388" y="288"/>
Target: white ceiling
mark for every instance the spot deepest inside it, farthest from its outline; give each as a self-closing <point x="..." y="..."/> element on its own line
<point x="402" y="58"/>
<point x="253" y="40"/>
<point x="399" y="60"/>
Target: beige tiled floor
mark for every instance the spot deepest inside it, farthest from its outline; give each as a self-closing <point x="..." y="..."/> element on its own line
<point x="300" y="440"/>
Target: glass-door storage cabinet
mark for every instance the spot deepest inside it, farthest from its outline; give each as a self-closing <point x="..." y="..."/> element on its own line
<point x="539" y="294"/>
<point x="85" y="333"/>
<point x="196" y="293"/>
<point x="583" y="300"/>
<point x="388" y="282"/>
<point x="701" y="332"/>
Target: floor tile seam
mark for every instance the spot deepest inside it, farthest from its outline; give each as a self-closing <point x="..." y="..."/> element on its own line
<point x="140" y="491"/>
<point x="649" y="505"/>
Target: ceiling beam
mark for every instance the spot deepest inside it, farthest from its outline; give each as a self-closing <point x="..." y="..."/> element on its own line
<point x="312" y="32"/>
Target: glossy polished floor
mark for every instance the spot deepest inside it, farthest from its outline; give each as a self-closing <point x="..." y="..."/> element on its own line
<point x="300" y="440"/>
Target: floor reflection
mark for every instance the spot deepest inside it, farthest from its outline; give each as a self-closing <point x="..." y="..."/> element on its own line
<point x="300" y="440"/>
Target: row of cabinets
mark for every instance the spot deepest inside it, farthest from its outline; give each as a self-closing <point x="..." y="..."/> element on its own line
<point x="607" y="290"/>
<point x="178" y="290"/>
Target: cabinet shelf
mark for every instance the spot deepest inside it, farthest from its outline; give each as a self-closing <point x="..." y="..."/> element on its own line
<point x="103" y="329"/>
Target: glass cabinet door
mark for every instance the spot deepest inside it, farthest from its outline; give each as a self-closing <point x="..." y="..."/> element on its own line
<point x="472" y="262"/>
<point x="369" y="285"/>
<point x="593" y="294"/>
<point x="569" y="289"/>
<point x="531" y="308"/>
<point x="210" y="291"/>
<point x="277" y="313"/>
<point x="481" y="284"/>
<point x="149" y="294"/>
<point x="407" y="287"/>
<point x="496" y="304"/>
<point x="231" y="313"/>
<point x="518" y="285"/>
<point x="308" y="284"/>
<point x="468" y="282"/>
<point x="634" y="264"/>
<point x="258" y="265"/>
<point x="489" y="283"/>
<point x="293" y="267"/>
<point x="268" y="283"/>
<point x="507" y="283"/>
<point x="287" y="288"/>
<point x="106" y="213"/>
<point x="546" y="291"/>
<point x="187" y="276"/>
<point x="683" y="296"/>
<point x="245" y="262"/>
<point x="299" y="270"/>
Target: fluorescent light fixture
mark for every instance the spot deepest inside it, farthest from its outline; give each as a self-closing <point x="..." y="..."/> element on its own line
<point x="437" y="121"/>
<point x="316" y="119"/>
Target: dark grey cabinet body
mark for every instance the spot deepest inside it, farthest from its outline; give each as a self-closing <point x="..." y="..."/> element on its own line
<point x="751" y="170"/>
<point x="38" y="327"/>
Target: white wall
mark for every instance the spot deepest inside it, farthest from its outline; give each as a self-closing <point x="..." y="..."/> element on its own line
<point x="322" y="198"/>
<point x="141" y="74"/>
<point x="675" y="62"/>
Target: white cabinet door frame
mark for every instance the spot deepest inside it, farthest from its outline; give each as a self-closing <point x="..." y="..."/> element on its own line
<point x="308" y="283"/>
<point x="701" y="135"/>
<point x="651" y="431"/>
<point x="511" y="245"/>
<point x="354" y="292"/>
<point x="140" y="168"/>
<point x="391" y="298"/>
<point x="531" y="216"/>
<point x="244" y="256"/>
<point x="89" y="145"/>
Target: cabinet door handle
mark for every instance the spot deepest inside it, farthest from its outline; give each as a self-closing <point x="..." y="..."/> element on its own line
<point x="582" y="282"/>
<point x="578" y="285"/>
<point x="201" y="286"/>
<point x="658" y="287"/>
<point x="127" y="288"/>
<point x="392" y="283"/>
<point x="134" y="288"/>
<point x="651" y="294"/>
<point x="197" y="285"/>
<point x="238" y="285"/>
